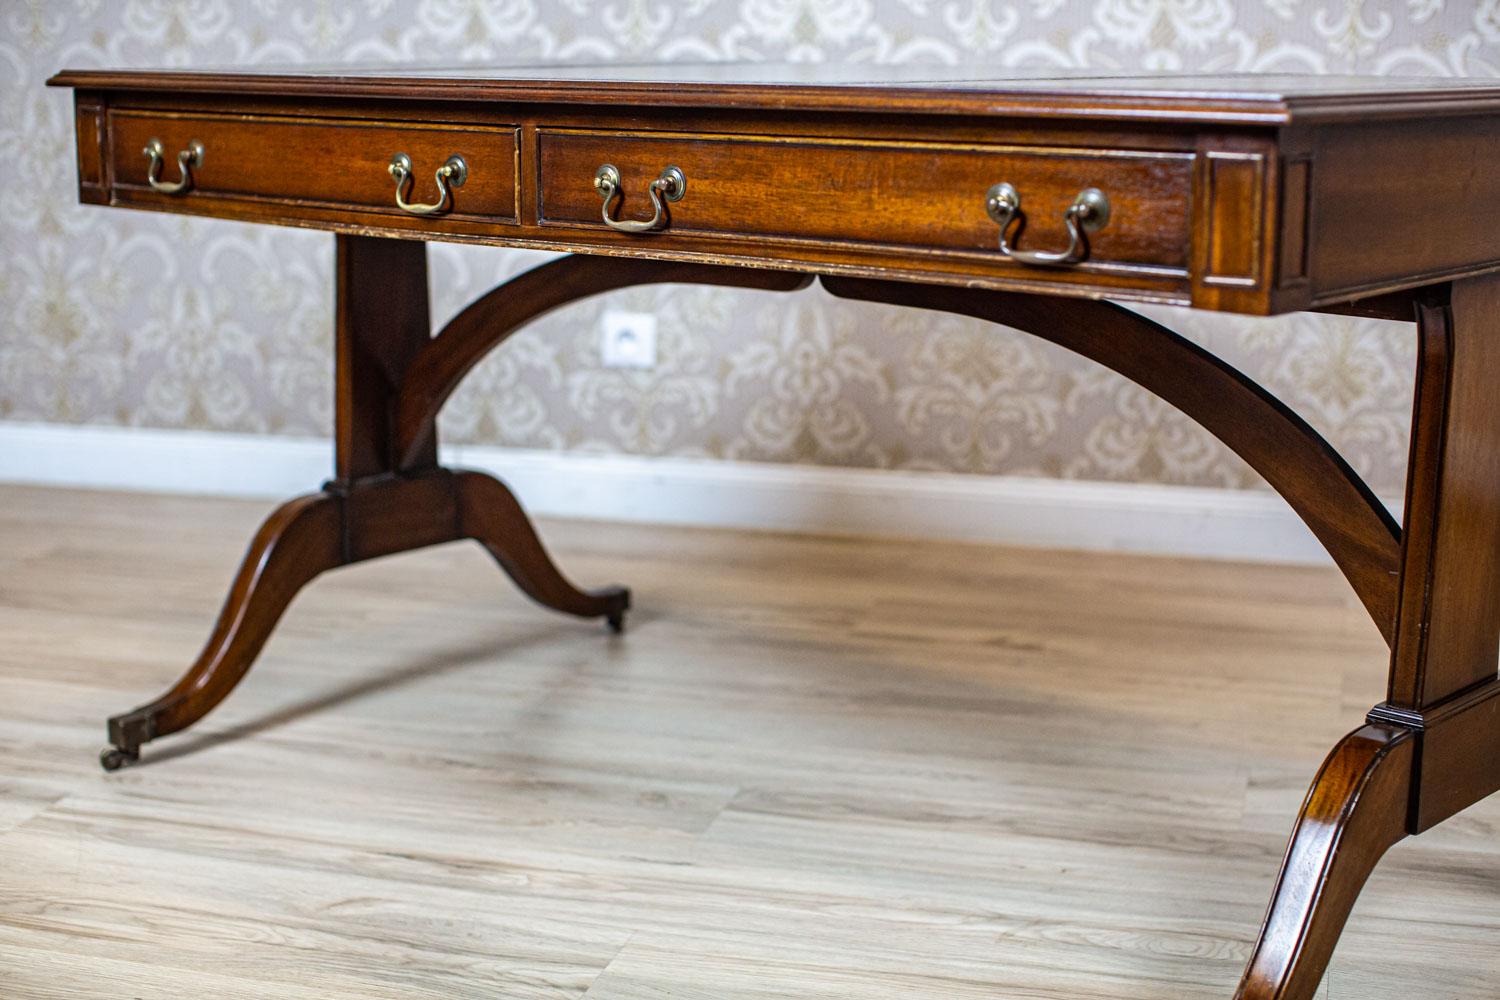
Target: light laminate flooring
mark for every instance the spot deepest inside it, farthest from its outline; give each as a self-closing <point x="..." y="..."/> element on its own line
<point x="812" y="767"/>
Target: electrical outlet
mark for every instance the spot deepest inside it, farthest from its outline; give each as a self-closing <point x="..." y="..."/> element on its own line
<point x="627" y="339"/>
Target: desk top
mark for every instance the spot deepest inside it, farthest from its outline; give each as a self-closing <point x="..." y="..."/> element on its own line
<point x="1243" y="193"/>
<point x="1242" y="98"/>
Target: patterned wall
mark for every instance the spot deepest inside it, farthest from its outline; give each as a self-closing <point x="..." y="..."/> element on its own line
<point x="111" y="317"/>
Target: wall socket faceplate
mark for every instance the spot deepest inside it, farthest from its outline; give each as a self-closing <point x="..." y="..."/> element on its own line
<point x="627" y="339"/>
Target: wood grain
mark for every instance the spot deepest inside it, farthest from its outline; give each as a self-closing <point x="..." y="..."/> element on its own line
<point x="1354" y="813"/>
<point x="381" y="323"/>
<point x="854" y="177"/>
<point x="300" y="540"/>
<point x="892" y="89"/>
<point x="307" y="160"/>
<point x="923" y="195"/>
<point x="819" y="767"/>
<point x="1448" y="632"/>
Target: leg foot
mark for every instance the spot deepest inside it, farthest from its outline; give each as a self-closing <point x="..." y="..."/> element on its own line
<point x="113" y="758"/>
<point x="490" y="514"/>
<point x="616" y="619"/>
<point x="1357" y="808"/>
<point x="297" y="542"/>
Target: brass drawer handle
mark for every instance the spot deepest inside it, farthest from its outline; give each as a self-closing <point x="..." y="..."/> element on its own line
<point x="450" y="175"/>
<point x="187" y="159"/>
<point x="671" y="186"/>
<point x="1089" y="213"/>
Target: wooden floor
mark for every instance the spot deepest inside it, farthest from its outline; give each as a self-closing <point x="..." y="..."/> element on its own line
<point x="812" y="768"/>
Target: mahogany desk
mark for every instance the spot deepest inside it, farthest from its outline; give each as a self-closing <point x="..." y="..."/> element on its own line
<point x="1028" y="202"/>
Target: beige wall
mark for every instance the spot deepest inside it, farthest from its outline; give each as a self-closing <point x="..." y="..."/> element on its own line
<point x="111" y="317"/>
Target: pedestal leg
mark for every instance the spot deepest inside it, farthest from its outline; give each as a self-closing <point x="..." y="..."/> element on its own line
<point x="378" y="502"/>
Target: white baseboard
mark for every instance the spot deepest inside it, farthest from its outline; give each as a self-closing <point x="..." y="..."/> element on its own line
<point x="1117" y="517"/>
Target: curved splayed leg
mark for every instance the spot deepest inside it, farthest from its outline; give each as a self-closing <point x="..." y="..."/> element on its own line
<point x="301" y="539"/>
<point x="489" y="513"/>
<point x="1355" y="811"/>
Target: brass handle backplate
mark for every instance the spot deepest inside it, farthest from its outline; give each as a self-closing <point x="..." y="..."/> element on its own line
<point x="1089" y="213"/>
<point x="450" y="175"/>
<point x="670" y="186"/>
<point x="187" y="159"/>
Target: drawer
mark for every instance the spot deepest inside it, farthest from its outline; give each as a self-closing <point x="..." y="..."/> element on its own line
<point x="318" y="163"/>
<point x="924" y="196"/>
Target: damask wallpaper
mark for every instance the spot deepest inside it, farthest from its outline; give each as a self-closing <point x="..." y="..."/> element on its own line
<point x="111" y="317"/>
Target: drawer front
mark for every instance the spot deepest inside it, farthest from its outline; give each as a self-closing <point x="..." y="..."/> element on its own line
<point x="320" y="163"/>
<point x="924" y="196"/>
